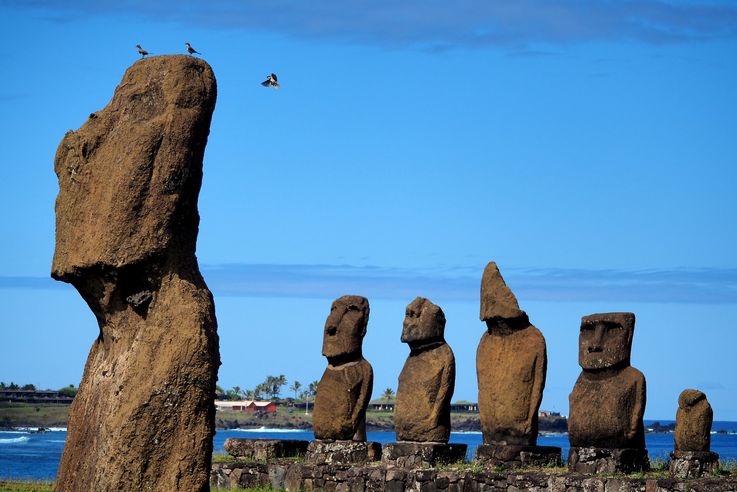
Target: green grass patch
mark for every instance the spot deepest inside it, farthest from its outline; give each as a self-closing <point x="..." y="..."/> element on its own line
<point x="25" y="486"/>
<point x="33" y="415"/>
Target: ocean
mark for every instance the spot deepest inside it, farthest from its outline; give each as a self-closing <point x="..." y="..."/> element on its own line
<point x="27" y="455"/>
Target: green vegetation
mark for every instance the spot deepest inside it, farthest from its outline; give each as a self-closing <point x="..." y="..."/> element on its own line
<point x="25" y="486"/>
<point x="33" y="415"/>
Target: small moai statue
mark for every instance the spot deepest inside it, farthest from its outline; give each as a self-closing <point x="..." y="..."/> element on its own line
<point x="427" y="381"/>
<point x="607" y="403"/>
<point x="345" y="388"/>
<point x="692" y="456"/>
<point x="511" y="364"/>
<point x="426" y="384"/>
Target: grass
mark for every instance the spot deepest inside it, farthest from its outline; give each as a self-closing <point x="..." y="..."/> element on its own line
<point x="25" y="486"/>
<point x="30" y="415"/>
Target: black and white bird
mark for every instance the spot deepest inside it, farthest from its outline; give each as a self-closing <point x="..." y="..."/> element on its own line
<point x="141" y="51"/>
<point x="191" y="50"/>
<point x="271" y="82"/>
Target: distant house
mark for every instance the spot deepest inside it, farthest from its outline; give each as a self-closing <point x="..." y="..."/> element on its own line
<point x="381" y="405"/>
<point x="34" y="396"/>
<point x="245" y="406"/>
<point x="548" y="413"/>
<point x="464" y="407"/>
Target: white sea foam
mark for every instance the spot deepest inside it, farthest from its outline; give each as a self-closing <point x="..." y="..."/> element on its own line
<point x="56" y="429"/>
<point x="15" y="432"/>
<point x="14" y="440"/>
<point x="467" y="432"/>
<point x="267" y="429"/>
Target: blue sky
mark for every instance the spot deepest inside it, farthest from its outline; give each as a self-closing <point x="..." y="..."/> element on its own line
<point x="587" y="147"/>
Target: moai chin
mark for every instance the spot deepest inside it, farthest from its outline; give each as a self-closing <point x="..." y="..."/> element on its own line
<point x="693" y="422"/>
<point x="422" y="412"/>
<point x="345" y="388"/>
<point x="691" y="456"/>
<point x="511" y="364"/>
<point x="608" y="400"/>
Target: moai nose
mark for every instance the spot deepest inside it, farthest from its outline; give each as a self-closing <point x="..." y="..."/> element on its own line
<point x="598" y="340"/>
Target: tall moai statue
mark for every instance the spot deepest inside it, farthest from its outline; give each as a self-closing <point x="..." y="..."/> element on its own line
<point x="426" y="384"/>
<point x="345" y="388"/>
<point x="422" y="411"/>
<point x="126" y="234"/>
<point x="511" y="363"/>
<point x="692" y="456"/>
<point x="608" y="400"/>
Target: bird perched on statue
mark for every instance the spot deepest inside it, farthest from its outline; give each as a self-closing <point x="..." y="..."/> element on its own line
<point x="271" y="81"/>
<point x="141" y="51"/>
<point x="191" y="50"/>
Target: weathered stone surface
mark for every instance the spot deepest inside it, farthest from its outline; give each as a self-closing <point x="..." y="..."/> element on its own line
<point x="126" y="228"/>
<point x="693" y="422"/>
<point x="422" y="454"/>
<point x="518" y="456"/>
<point x="511" y="363"/>
<point x="692" y="464"/>
<point x="341" y="452"/>
<point x="605" y="460"/>
<point x="265" y="449"/>
<point x="608" y="400"/>
<point x="345" y="388"/>
<point x="422" y="410"/>
<point x="497" y="300"/>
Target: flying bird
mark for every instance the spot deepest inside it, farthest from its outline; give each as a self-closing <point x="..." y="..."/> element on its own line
<point x="271" y="82"/>
<point x="141" y="51"/>
<point x="191" y="50"/>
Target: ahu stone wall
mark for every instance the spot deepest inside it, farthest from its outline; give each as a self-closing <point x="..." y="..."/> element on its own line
<point x="293" y="476"/>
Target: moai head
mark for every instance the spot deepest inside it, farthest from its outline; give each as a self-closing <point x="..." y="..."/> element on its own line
<point x="605" y="340"/>
<point x="499" y="307"/>
<point x="345" y="327"/>
<point x="423" y="321"/>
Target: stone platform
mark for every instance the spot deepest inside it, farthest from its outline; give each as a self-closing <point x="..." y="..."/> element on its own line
<point x="407" y="454"/>
<point x="265" y="449"/>
<point x="692" y="464"/>
<point x="604" y="460"/>
<point x="342" y="452"/>
<point x="514" y="456"/>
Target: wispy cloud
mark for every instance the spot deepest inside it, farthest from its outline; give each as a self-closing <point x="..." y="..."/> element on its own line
<point x="432" y="24"/>
<point x="681" y="285"/>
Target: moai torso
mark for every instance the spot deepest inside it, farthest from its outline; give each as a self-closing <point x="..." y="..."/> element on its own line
<point x="511" y="374"/>
<point x="608" y="400"/>
<point x="693" y="422"/>
<point x="422" y="411"/>
<point x="511" y="363"/>
<point x="345" y="388"/>
<point x="340" y="405"/>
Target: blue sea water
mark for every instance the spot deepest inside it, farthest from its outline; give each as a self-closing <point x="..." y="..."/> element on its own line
<point x="30" y="456"/>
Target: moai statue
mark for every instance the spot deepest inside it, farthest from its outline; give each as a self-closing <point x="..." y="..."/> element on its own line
<point x="511" y="364"/>
<point x="422" y="411"/>
<point x="692" y="456"/>
<point x="608" y="400"/>
<point x="345" y="388"/>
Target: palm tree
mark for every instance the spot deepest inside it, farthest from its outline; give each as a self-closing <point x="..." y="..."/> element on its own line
<point x="249" y="395"/>
<point x="311" y="392"/>
<point x="388" y="394"/>
<point x="296" y="385"/>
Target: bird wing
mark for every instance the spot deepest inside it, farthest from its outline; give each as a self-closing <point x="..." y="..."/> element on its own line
<point x="266" y="82"/>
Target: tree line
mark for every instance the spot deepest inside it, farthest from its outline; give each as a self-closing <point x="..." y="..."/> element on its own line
<point x="271" y="389"/>
<point x="67" y="390"/>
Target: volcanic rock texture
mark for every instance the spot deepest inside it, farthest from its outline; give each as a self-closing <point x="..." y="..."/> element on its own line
<point x="126" y="230"/>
